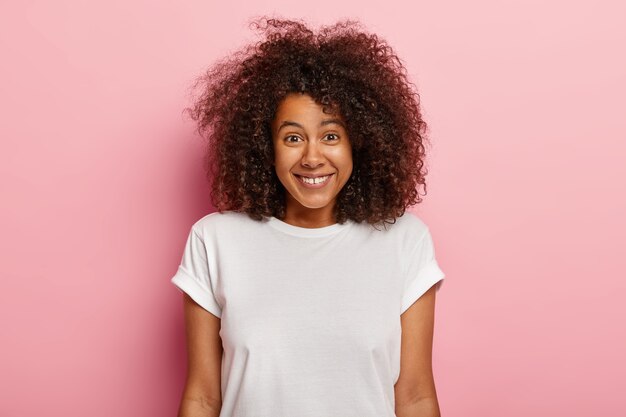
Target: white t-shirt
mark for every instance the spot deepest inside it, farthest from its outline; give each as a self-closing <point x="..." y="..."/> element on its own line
<point x="310" y="318"/>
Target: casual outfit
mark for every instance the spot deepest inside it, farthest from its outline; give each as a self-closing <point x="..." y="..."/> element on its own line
<point x="310" y="317"/>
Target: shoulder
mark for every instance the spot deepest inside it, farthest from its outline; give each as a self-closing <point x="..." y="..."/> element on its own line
<point x="403" y="234"/>
<point x="410" y="220"/>
<point x="409" y="226"/>
<point x="232" y="221"/>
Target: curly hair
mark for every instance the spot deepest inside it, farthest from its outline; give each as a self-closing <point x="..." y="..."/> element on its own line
<point x="340" y="65"/>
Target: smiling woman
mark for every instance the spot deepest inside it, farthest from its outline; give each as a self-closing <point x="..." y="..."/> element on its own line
<point x="310" y="292"/>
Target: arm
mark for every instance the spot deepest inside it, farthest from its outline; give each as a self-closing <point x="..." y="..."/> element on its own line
<point x="202" y="394"/>
<point x="415" y="393"/>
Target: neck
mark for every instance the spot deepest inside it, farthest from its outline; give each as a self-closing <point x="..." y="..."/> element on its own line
<point x="310" y="218"/>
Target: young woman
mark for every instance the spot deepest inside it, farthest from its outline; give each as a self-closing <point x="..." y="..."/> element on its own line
<point x="310" y="292"/>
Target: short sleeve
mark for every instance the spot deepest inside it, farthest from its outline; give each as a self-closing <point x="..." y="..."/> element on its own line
<point x="422" y="271"/>
<point x="193" y="275"/>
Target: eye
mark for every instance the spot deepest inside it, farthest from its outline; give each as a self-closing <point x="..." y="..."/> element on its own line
<point x="287" y="138"/>
<point x="332" y="136"/>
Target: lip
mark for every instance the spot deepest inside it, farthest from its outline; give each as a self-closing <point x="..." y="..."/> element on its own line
<point x="305" y="185"/>
<point x="314" y="176"/>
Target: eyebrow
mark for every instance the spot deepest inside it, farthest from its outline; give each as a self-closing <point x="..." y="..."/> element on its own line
<point x="324" y="123"/>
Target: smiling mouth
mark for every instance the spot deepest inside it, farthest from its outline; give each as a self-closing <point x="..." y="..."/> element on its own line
<point x="313" y="181"/>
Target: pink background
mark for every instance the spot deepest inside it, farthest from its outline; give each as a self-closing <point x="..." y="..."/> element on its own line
<point x="101" y="179"/>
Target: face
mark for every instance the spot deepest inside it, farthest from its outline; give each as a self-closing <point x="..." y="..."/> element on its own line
<point x="310" y="146"/>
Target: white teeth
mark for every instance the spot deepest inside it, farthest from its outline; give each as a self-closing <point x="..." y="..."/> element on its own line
<point x="314" y="180"/>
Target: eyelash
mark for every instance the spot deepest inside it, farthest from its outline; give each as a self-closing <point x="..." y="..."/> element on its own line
<point x="294" y="136"/>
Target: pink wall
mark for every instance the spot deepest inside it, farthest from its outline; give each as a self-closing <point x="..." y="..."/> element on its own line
<point x="101" y="179"/>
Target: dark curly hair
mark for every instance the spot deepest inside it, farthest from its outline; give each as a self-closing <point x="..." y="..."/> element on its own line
<point x="340" y="65"/>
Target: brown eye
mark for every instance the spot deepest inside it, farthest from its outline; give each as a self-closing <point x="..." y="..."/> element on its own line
<point x="287" y="138"/>
<point x="332" y="136"/>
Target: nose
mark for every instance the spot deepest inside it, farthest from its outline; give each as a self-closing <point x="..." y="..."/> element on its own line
<point x="312" y="155"/>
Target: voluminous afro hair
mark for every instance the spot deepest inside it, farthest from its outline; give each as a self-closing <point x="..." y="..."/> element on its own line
<point x="341" y="65"/>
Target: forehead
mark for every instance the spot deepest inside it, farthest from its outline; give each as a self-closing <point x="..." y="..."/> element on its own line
<point x="298" y="105"/>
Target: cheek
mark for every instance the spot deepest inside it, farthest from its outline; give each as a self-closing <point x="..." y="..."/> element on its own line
<point x="283" y="162"/>
<point x="286" y="156"/>
<point x="348" y="165"/>
<point x="344" y="158"/>
<point x="279" y="156"/>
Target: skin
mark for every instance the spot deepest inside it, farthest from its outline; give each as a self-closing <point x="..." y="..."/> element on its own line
<point x="202" y="393"/>
<point x="308" y="141"/>
<point x="415" y="393"/>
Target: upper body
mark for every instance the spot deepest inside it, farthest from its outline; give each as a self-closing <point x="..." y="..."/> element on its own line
<point x="311" y="292"/>
<point x="310" y="317"/>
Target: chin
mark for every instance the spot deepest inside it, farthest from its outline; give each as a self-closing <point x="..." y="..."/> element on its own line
<point x="311" y="203"/>
<point x="313" y="206"/>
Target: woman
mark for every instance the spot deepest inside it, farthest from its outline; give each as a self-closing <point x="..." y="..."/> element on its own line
<point x="310" y="292"/>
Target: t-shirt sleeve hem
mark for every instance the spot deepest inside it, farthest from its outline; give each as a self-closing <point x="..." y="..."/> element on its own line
<point x="428" y="276"/>
<point x="188" y="284"/>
